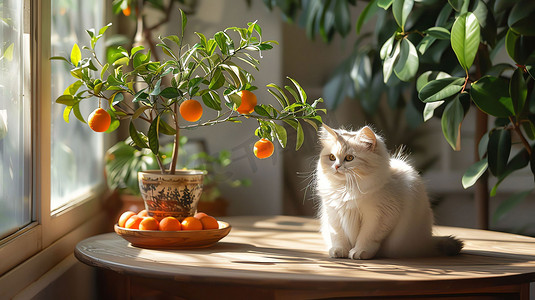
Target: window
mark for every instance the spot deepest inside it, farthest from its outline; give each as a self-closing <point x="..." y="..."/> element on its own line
<point x="15" y="206"/>
<point x="46" y="165"/>
<point x="77" y="152"/>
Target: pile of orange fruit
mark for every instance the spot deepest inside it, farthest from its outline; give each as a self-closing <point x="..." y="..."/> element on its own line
<point x="142" y="221"/>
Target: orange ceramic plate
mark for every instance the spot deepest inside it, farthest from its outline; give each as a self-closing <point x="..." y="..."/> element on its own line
<point x="156" y="239"/>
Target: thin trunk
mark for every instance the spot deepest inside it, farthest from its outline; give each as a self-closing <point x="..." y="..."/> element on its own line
<point x="482" y="185"/>
<point x="177" y="142"/>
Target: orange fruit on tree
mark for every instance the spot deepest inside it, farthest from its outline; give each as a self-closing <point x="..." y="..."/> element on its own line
<point x="190" y="110"/>
<point x="143" y="213"/>
<point x="170" y="224"/>
<point x="133" y="222"/>
<point x="248" y="102"/>
<point x="209" y="222"/>
<point x="263" y="148"/>
<point x="124" y="217"/>
<point x="99" y="120"/>
<point x="149" y="223"/>
<point x="127" y="11"/>
<point x="191" y="223"/>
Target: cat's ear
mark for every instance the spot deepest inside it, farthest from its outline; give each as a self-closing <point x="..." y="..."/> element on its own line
<point x="327" y="132"/>
<point x="368" y="137"/>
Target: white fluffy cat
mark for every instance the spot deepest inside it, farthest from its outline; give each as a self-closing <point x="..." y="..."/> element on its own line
<point x="372" y="203"/>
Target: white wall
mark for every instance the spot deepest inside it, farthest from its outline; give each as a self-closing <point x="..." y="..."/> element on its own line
<point x="264" y="196"/>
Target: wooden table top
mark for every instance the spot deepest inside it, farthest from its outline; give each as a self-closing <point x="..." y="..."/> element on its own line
<point x="288" y="252"/>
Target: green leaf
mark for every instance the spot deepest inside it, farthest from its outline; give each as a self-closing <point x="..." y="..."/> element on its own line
<point x="138" y="141"/>
<point x="401" y="10"/>
<point x="440" y="33"/>
<point x="456" y="4"/>
<point x="509" y="204"/>
<point x="385" y="4"/>
<point x="300" y="90"/>
<point x="473" y="173"/>
<point x="280" y="133"/>
<point x="498" y="150"/>
<point x="166" y="128"/>
<point x="369" y="11"/>
<point x="76" y="55"/>
<point x="428" y="76"/>
<point x="491" y="95"/>
<point x="465" y="37"/>
<point x="519" y="161"/>
<point x="8" y="53"/>
<point x="170" y="93"/>
<point x="140" y="111"/>
<point x="429" y="109"/>
<point x="388" y="64"/>
<point x="452" y="119"/>
<point x="300" y="136"/>
<point x="212" y="100"/>
<point x="116" y="98"/>
<point x="68" y="100"/>
<point x="520" y="48"/>
<point x="518" y="91"/>
<point x="153" y="135"/>
<point x="184" y="20"/>
<point x="157" y="88"/>
<point x="387" y="47"/>
<point x="521" y="18"/>
<point x="67" y="113"/>
<point x="441" y="89"/>
<point x="407" y="64"/>
<point x="483" y="145"/>
<point x="283" y="100"/>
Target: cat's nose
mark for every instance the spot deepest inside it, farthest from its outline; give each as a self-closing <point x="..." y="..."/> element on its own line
<point x="337" y="166"/>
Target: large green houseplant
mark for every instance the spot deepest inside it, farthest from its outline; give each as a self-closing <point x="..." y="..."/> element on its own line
<point x="438" y="58"/>
<point x="150" y="94"/>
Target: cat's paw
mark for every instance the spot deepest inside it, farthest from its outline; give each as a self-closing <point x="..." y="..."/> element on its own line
<point x="338" y="252"/>
<point x="363" y="253"/>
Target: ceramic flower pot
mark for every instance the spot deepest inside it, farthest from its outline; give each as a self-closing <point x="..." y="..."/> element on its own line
<point x="171" y="195"/>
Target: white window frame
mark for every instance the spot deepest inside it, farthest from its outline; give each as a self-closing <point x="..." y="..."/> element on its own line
<point x="51" y="237"/>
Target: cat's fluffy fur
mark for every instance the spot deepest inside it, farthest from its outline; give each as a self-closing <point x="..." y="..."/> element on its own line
<point x="372" y="203"/>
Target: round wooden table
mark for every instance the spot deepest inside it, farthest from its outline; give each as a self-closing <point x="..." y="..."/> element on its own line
<point x="282" y="257"/>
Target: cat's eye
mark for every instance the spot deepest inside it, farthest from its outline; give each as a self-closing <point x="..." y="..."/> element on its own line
<point x="349" y="157"/>
<point x="332" y="157"/>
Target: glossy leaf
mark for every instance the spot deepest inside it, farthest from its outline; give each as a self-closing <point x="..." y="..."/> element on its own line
<point x="520" y="48"/>
<point x="387" y="47"/>
<point x="508" y="204"/>
<point x="487" y="22"/>
<point x="428" y="76"/>
<point x="407" y="64"/>
<point x="498" y="150"/>
<point x="369" y="11"/>
<point x="401" y="10"/>
<point x="518" y="90"/>
<point x="280" y="133"/>
<point x="519" y="161"/>
<point x="473" y="173"/>
<point x="456" y="4"/>
<point x="136" y="138"/>
<point x="76" y="55"/>
<point x="438" y="33"/>
<point x="465" y="37"/>
<point x="385" y="4"/>
<point x="491" y="95"/>
<point x="521" y="18"/>
<point x="452" y="119"/>
<point x="152" y="134"/>
<point x="300" y="136"/>
<point x="441" y="89"/>
<point x="388" y="64"/>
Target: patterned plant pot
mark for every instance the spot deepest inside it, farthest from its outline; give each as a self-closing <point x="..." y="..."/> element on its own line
<point x="171" y="195"/>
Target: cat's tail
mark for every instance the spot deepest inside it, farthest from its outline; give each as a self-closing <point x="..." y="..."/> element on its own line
<point x="447" y="245"/>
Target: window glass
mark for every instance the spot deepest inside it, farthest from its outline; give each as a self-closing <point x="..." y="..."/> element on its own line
<point x="76" y="151"/>
<point x="15" y="208"/>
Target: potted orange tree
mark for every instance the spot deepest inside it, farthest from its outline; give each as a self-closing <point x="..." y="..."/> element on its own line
<point x="161" y="98"/>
